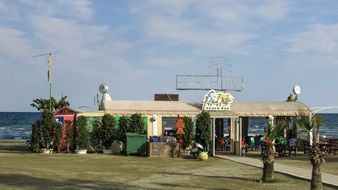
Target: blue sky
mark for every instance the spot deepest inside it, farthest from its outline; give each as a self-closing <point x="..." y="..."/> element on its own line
<point x="138" y="47"/>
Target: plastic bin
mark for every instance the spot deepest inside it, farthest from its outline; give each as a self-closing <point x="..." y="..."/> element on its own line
<point x="136" y="144"/>
<point x="155" y="139"/>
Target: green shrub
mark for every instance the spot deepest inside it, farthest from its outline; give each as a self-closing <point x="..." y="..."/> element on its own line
<point x="69" y="135"/>
<point x="95" y="137"/>
<point x="36" y="137"/>
<point x="48" y="123"/>
<point x="107" y="130"/>
<point x="203" y="128"/>
<point x="136" y="124"/>
<point x="82" y="140"/>
<point x="122" y="129"/>
<point x="57" y="131"/>
<point x="188" y="129"/>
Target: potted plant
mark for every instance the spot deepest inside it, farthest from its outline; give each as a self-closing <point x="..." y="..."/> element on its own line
<point x="36" y="137"/>
<point x="188" y="135"/>
<point x="57" y="133"/>
<point x="107" y="131"/>
<point x="47" y="131"/>
<point x="95" y="137"/>
<point x="69" y="135"/>
<point x="82" y="140"/>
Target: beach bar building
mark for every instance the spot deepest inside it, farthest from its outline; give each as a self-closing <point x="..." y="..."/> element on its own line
<point x="228" y="116"/>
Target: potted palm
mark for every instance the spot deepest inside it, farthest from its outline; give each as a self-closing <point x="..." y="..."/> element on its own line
<point x="81" y="139"/>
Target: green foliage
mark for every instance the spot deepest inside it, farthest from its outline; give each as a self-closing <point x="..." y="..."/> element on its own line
<point x="57" y="129"/>
<point x="275" y="132"/>
<point x="95" y="136"/>
<point x="69" y="134"/>
<point x="45" y="128"/>
<point x="188" y="129"/>
<point x="82" y="140"/>
<point x="316" y="153"/>
<point x="36" y="137"/>
<point x="43" y="104"/>
<point x="107" y="130"/>
<point x="310" y="124"/>
<point x="291" y="98"/>
<point x="122" y="129"/>
<point x="136" y="124"/>
<point x="48" y="123"/>
<point x="203" y="127"/>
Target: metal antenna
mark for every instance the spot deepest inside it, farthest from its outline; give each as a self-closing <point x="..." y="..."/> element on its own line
<point x="49" y="75"/>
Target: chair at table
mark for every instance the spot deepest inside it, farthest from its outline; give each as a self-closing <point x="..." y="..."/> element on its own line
<point x="333" y="147"/>
<point x="292" y="146"/>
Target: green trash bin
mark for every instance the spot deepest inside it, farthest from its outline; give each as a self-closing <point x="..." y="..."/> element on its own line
<point x="136" y="144"/>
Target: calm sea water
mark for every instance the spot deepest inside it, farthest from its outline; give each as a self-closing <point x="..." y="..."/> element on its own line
<point x="18" y="125"/>
<point x="329" y="128"/>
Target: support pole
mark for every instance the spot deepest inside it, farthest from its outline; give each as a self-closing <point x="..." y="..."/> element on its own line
<point x="213" y="136"/>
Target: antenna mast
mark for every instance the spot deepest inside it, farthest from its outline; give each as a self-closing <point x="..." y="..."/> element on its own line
<point x="49" y="75"/>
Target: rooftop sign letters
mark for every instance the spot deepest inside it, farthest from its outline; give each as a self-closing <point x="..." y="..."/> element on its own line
<point x="217" y="100"/>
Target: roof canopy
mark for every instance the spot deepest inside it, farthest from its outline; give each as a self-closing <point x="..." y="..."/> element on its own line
<point x="260" y="109"/>
<point x="246" y="109"/>
<point x="150" y="107"/>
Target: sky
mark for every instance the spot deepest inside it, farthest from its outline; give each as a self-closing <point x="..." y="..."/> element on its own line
<point x="138" y="47"/>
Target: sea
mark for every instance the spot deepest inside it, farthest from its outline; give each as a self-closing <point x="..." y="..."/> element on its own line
<point x="18" y="125"/>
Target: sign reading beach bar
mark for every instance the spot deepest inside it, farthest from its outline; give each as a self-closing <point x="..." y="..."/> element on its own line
<point x="217" y="100"/>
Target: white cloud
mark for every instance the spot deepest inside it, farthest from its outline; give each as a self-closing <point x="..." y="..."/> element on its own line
<point x="8" y="11"/>
<point x="273" y="10"/>
<point x="79" y="9"/>
<point x="319" y="38"/>
<point x="14" y="44"/>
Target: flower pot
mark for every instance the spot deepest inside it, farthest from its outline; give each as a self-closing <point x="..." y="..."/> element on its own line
<point x="81" y="151"/>
<point x="45" y="151"/>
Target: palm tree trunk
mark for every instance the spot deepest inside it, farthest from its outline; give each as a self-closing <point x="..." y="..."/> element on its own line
<point x="316" y="179"/>
<point x="268" y="163"/>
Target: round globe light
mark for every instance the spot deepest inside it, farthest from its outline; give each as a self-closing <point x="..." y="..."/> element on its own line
<point x="203" y="156"/>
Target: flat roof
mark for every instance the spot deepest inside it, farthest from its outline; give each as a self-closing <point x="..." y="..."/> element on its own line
<point x="243" y="109"/>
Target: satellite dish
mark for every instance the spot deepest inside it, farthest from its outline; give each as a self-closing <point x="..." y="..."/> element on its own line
<point x="103" y="88"/>
<point x="296" y="90"/>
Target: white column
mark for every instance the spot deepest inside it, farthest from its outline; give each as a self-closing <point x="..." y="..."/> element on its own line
<point x="154" y="122"/>
<point x="240" y="135"/>
<point x="213" y="136"/>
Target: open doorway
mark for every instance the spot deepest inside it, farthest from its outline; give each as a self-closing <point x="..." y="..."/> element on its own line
<point x="223" y="135"/>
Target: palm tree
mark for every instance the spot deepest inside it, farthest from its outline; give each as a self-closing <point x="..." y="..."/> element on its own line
<point x="44" y="104"/>
<point x="316" y="154"/>
<point x="268" y="156"/>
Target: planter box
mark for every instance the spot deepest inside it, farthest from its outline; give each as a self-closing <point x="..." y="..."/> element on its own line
<point x="164" y="149"/>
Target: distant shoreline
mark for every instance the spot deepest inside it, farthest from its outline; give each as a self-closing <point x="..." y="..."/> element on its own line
<point x="13" y="140"/>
